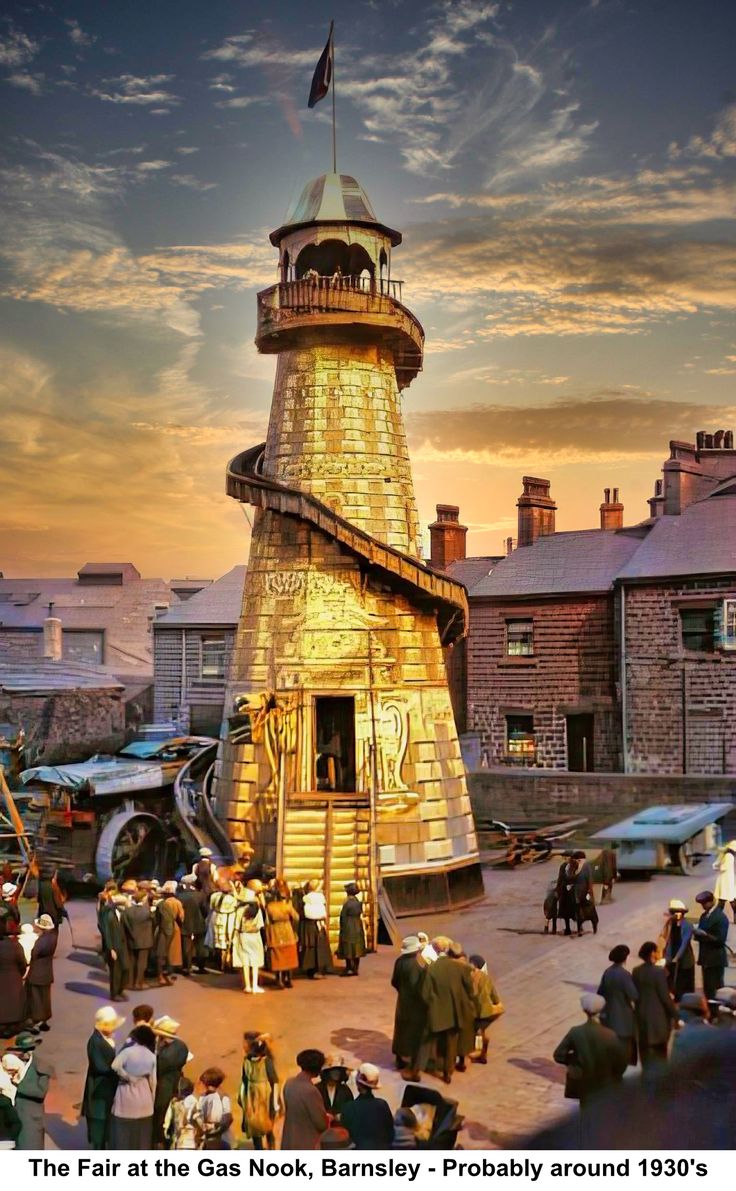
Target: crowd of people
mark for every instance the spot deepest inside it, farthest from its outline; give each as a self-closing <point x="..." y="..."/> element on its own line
<point x="653" y="1014"/>
<point x="224" y="921"/>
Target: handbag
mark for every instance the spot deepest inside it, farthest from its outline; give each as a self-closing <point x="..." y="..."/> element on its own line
<point x="497" y="1010"/>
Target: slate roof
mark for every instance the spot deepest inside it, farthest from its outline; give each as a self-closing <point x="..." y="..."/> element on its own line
<point x="701" y="541"/>
<point x="585" y="560"/>
<point x="218" y="604"/>
<point x="123" y="611"/>
<point x="470" y="571"/>
<point x="42" y="676"/>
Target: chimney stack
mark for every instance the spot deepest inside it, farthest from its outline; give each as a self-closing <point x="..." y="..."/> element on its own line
<point x="447" y="537"/>
<point x="536" y="511"/>
<point x="52" y="638"/>
<point x="612" y="511"/>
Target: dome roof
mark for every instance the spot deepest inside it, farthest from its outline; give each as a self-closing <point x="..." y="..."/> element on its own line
<point x="332" y="198"/>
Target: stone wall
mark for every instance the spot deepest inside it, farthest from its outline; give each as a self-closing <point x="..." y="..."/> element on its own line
<point x="550" y="796"/>
<point x="572" y="671"/>
<point x="681" y="705"/>
<point x="72" y="725"/>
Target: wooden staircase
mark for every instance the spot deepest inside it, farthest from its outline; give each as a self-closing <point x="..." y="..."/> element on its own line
<point x="330" y="839"/>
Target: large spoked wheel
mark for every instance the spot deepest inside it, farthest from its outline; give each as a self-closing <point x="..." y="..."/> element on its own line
<point x="131" y="844"/>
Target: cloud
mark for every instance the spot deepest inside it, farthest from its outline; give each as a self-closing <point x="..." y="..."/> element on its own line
<point x="611" y="424"/>
<point x="152" y="167"/>
<point x="191" y="183"/>
<point x="26" y="81"/>
<point x="17" y="48"/>
<point x="187" y="150"/>
<point x="240" y="101"/>
<point x="78" y="36"/>
<point x="247" y="50"/>
<point x="138" y="91"/>
<point x="721" y="142"/>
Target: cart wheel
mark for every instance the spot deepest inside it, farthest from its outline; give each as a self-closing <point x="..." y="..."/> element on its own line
<point x="689" y="859"/>
<point x="131" y="844"/>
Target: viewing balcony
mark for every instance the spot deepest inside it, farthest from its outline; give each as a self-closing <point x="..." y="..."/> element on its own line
<point x="295" y="314"/>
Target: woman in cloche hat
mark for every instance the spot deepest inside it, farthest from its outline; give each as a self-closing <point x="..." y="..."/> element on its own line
<point x="677" y="949"/>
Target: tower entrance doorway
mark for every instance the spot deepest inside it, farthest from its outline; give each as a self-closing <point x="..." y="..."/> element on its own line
<point x="334" y="735"/>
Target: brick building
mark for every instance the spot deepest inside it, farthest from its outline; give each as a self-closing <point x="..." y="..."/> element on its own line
<point x="192" y="645"/>
<point x="613" y="649"/>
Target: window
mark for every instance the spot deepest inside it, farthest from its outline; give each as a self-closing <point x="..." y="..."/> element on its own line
<point x="729" y="624"/>
<point x="519" y="638"/>
<point x="697" y="629"/>
<point x="212" y="665"/>
<point x="78" y="646"/>
<point x="521" y="745"/>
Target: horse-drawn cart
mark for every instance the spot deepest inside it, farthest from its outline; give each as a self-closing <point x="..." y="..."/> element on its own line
<point x="512" y="844"/>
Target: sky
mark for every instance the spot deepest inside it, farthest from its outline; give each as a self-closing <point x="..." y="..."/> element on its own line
<point x="562" y="172"/>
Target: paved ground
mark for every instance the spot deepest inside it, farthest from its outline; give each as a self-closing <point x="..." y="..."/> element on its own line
<point x="540" y="978"/>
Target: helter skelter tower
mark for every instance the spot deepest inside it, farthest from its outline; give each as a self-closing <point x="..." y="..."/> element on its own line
<point x="340" y="759"/>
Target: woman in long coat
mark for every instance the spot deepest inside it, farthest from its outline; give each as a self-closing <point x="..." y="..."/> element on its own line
<point x="677" y="948"/>
<point x="351" y="945"/>
<point x="40" y="974"/>
<point x="316" y="957"/>
<point x="13" y="999"/>
<point x="132" y="1110"/>
<point x="621" y="995"/>
<point x="101" y="1082"/>
<point x="567" y="901"/>
<point x="280" y="934"/>
<point x="259" y="1091"/>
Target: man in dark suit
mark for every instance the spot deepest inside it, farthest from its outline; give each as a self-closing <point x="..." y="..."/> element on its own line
<point x="115" y="946"/>
<point x="655" y="1010"/>
<point x="101" y="1082"/>
<point x="138" y="925"/>
<point x="592" y="1053"/>
<point x="172" y="1056"/>
<point x="449" y="993"/>
<point x="193" y="926"/>
<point x="711" y="933"/>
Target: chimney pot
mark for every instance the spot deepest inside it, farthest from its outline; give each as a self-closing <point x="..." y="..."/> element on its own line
<point x="536" y="511"/>
<point x="612" y="511"/>
<point x="447" y="537"/>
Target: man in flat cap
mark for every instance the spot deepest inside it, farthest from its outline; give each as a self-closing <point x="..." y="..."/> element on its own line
<point x="592" y="1054"/>
<point x="711" y="933"/>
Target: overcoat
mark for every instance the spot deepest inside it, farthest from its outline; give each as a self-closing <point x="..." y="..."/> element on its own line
<point x="138" y="924"/>
<point x="725" y="889"/>
<point x="341" y="1095"/>
<point x="712" y="951"/>
<point x="193" y="923"/>
<point x="281" y="936"/>
<point x="410" y="1017"/>
<point x="101" y="1082"/>
<point x="12" y="970"/>
<point x="449" y="993"/>
<point x="114" y="936"/>
<point x="169" y="917"/>
<point x="620" y="994"/>
<point x="171" y="1059"/>
<point x="40" y="976"/>
<point x="655" y="1009"/>
<point x="594" y="1058"/>
<point x="305" y="1118"/>
<point x="29" y="1098"/>
<point x="351" y="944"/>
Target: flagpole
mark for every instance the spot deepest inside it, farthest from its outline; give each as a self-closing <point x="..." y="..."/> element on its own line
<point x="334" y="124"/>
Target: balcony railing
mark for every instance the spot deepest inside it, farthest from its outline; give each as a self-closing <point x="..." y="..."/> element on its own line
<point x="294" y="312"/>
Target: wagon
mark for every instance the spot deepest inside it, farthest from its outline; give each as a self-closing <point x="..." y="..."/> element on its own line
<point x="511" y="844"/>
<point x="660" y="838"/>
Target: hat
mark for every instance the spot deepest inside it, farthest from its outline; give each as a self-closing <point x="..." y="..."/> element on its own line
<point x="45" y="922"/>
<point x="410" y="945"/>
<point x="351" y="888"/>
<point x="27" y="928"/>
<point x="592" y="1004"/>
<point x="455" y="950"/>
<point x="9" y="889"/>
<point x="169" y="887"/>
<point x="189" y="879"/>
<point x="619" y="954"/>
<point x="368" y="1075"/>
<point x="694" y="1002"/>
<point x="335" y="1063"/>
<point x="165" y="1026"/>
<point x="727" y="997"/>
<point x="676" y="904"/>
<point x="108" y="1016"/>
<point x="336" y="1138"/>
<point x="705" y="896"/>
<point x="25" y="1041"/>
<point x="129" y="886"/>
<point x="205" y="851"/>
<point x="119" y="899"/>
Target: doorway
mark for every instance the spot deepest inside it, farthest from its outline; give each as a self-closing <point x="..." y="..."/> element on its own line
<point x="580" y="733"/>
<point x="334" y="735"/>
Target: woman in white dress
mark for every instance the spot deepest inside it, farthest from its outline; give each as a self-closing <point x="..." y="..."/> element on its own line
<point x="725" y="890"/>
<point x="248" y="952"/>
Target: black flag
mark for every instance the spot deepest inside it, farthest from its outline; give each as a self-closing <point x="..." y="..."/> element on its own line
<point x="323" y="73"/>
